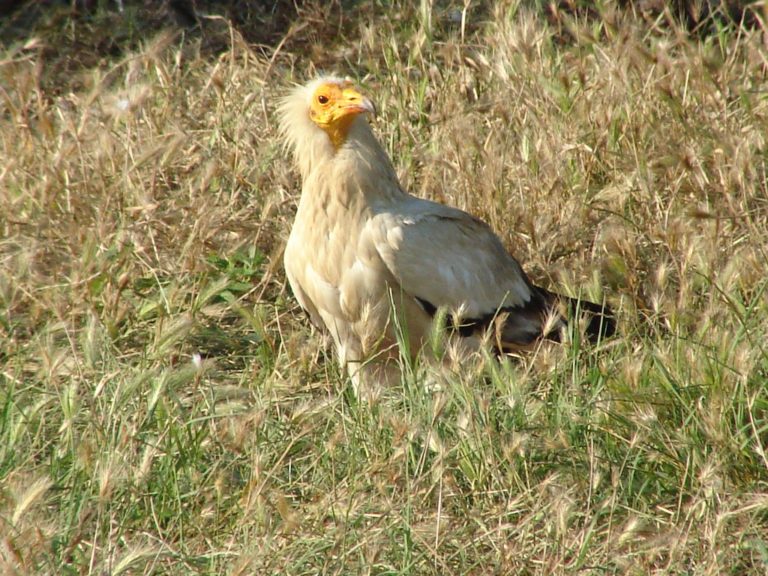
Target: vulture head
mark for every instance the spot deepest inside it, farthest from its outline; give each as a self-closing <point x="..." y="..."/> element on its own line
<point x="316" y="119"/>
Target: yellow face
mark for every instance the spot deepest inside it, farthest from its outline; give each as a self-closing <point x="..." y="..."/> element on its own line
<point x="334" y="106"/>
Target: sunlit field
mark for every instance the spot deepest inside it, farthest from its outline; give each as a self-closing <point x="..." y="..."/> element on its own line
<point x="166" y="407"/>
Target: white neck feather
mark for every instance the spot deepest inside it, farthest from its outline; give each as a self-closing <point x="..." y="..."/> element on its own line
<point x="363" y="158"/>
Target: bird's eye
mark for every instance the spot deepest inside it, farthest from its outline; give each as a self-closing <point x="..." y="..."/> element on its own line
<point x="322" y="99"/>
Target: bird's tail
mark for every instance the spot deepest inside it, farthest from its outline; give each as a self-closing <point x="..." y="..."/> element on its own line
<point x="599" y="320"/>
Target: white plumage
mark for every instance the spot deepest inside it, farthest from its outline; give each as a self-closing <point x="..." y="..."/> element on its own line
<point x="360" y="243"/>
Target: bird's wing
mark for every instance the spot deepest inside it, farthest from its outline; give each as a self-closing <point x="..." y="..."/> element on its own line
<point x="444" y="257"/>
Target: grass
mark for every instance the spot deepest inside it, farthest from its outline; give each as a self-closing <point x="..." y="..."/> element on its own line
<point x="165" y="408"/>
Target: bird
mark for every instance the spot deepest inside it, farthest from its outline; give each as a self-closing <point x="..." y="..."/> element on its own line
<point x="365" y="258"/>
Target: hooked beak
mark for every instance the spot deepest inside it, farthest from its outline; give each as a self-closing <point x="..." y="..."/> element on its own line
<point x="352" y="102"/>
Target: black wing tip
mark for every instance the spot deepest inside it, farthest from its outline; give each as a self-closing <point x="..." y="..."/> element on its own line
<point x="601" y="323"/>
<point x="600" y="320"/>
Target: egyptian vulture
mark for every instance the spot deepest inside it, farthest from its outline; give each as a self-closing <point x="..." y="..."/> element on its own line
<point x="365" y="256"/>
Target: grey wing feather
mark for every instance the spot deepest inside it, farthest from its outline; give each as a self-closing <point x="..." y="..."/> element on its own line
<point x="448" y="258"/>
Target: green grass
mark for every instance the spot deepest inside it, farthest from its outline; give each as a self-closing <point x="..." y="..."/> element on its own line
<point x="166" y="409"/>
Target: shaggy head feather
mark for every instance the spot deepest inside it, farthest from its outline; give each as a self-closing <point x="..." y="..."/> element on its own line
<point x="316" y="119"/>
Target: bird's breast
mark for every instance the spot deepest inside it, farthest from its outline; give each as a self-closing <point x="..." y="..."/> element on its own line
<point x="325" y="253"/>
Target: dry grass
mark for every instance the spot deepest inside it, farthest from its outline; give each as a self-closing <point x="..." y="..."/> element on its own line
<point x="165" y="409"/>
